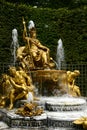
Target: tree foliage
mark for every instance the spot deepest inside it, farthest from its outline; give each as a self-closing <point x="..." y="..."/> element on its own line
<point x="52" y="3"/>
<point x="51" y="25"/>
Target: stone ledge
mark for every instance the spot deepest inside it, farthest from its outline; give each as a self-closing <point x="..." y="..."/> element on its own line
<point x="14" y="120"/>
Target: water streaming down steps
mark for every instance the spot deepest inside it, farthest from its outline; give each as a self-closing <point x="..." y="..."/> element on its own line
<point x="59" y="113"/>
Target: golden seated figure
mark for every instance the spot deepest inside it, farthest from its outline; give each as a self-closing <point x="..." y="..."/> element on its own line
<point x="16" y="86"/>
<point x="34" y="54"/>
<point x="72" y="88"/>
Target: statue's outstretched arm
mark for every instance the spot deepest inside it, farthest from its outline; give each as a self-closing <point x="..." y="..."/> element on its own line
<point x="16" y="85"/>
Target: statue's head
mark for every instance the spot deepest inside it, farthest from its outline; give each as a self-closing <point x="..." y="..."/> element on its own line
<point x="32" y="29"/>
<point x="72" y="75"/>
<point x="12" y="70"/>
<point x="32" y="33"/>
<point x="76" y="72"/>
<point x="4" y="76"/>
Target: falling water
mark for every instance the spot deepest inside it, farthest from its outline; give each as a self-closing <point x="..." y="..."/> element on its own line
<point x="30" y="97"/>
<point x="14" y="45"/>
<point x="60" y="55"/>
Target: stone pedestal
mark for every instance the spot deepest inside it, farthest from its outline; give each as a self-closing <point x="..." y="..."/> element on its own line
<point x="14" y="120"/>
<point x="59" y="113"/>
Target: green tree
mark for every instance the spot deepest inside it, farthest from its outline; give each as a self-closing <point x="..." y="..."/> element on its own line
<point x="51" y="3"/>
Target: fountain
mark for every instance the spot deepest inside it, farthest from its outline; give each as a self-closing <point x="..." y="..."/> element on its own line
<point x="58" y="102"/>
<point x="60" y="57"/>
<point x="14" y="45"/>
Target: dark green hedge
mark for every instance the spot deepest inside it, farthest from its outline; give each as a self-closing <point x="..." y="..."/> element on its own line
<point x="54" y="4"/>
<point x="51" y="24"/>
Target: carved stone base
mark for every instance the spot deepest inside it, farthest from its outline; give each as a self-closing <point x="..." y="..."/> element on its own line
<point x="58" y="114"/>
<point x="14" y="120"/>
<point x="64" y="120"/>
<point x="66" y="104"/>
<point x="66" y="125"/>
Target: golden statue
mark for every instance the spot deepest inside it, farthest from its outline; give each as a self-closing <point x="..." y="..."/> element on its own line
<point x="81" y="121"/>
<point x="72" y="88"/>
<point x="34" y="51"/>
<point x="29" y="109"/>
<point x="19" y="85"/>
<point x="5" y="87"/>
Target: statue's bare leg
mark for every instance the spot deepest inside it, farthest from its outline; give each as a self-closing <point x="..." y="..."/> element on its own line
<point x="12" y="98"/>
<point x="21" y="95"/>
